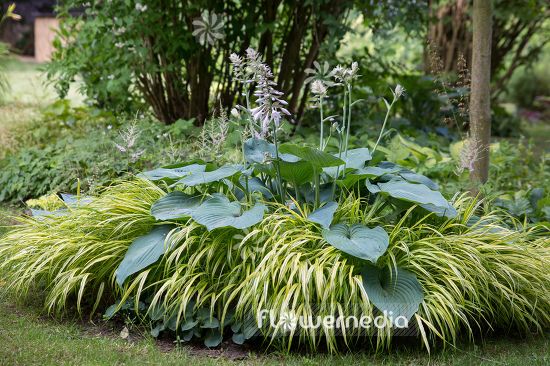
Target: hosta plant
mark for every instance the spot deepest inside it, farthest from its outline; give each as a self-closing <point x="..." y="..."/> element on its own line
<point x="200" y="249"/>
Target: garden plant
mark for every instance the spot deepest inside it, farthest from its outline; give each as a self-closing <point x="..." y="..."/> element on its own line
<point x="201" y="250"/>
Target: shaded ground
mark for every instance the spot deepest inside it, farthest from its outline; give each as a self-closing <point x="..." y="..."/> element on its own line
<point x="28" y="337"/>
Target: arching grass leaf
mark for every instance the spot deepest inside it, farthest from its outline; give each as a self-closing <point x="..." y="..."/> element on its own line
<point x="218" y="211"/>
<point x="323" y="216"/>
<point x="397" y="290"/>
<point x="197" y="178"/>
<point x="175" y="205"/>
<point x="143" y="251"/>
<point x="358" y="240"/>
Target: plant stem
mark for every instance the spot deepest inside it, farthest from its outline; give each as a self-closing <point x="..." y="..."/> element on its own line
<point x="277" y="168"/>
<point x="383" y="126"/>
<point x="348" y="121"/>
<point x="321" y="145"/>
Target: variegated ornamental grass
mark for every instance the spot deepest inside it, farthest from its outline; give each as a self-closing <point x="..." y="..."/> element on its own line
<point x="474" y="277"/>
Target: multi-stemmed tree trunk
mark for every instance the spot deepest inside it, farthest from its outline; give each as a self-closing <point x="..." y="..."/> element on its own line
<point x="480" y="97"/>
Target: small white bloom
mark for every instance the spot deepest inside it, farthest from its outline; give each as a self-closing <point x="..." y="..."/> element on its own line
<point x="318" y="88"/>
<point x="399" y="91"/>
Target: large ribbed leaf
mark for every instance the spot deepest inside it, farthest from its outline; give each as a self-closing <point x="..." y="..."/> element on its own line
<point x="261" y="151"/>
<point x="218" y="211"/>
<point x="355" y="159"/>
<point x="419" y="194"/>
<point x="143" y="251"/>
<point x="418" y="178"/>
<point x="175" y="205"/>
<point x="252" y="184"/>
<point x="172" y="173"/>
<point x="316" y="157"/>
<point x="197" y="178"/>
<point x="358" y="240"/>
<point x="397" y="290"/>
<point x="323" y="216"/>
<point x="258" y="150"/>
<point x="298" y="173"/>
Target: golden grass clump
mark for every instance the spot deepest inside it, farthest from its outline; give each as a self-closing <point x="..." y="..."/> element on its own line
<point x="475" y="278"/>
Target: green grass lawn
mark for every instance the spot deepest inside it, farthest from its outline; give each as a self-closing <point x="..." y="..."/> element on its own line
<point x="28" y="337"/>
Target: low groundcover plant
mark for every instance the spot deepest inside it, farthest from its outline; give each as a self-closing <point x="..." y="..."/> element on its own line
<point x="291" y="230"/>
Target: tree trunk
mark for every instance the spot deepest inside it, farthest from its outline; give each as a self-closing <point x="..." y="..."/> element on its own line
<point x="480" y="97"/>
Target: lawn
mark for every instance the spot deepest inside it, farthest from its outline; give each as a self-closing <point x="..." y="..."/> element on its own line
<point x="29" y="337"/>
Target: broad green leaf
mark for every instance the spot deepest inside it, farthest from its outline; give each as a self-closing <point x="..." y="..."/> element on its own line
<point x="143" y="251"/>
<point x="253" y="184"/>
<point x="197" y="178"/>
<point x="218" y="211"/>
<point x="417" y="193"/>
<point x="73" y="200"/>
<point x="175" y="205"/>
<point x="257" y="150"/>
<point x="375" y="171"/>
<point x="298" y="173"/>
<point x="355" y="159"/>
<point x="238" y="338"/>
<point x="261" y="151"/>
<point x="323" y="216"/>
<point x="213" y="338"/>
<point x="418" y="178"/>
<point x="316" y="157"/>
<point x="397" y="290"/>
<point x="172" y="173"/>
<point x="373" y="188"/>
<point x="358" y="240"/>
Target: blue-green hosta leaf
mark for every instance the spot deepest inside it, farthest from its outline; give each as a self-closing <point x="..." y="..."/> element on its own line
<point x="397" y="290"/>
<point x="217" y="175"/>
<point x="418" y="178"/>
<point x="41" y="214"/>
<point x="261" y="151"/>
<point x="218" y="211"/>
<point x="143" y="251"/>
<point x="376" y="171"/>
<point x="419" y="194"/>
<point x="355" y="159"/>
<point x="316" y="157"/>
<point x="358" y="240"/>
<point x="323" y="216"/>
<point x="254" y="184"/>
<point x="373" y="188"/>
<point x="175" y="205"/>
<point x="213" y="338"/>
<point x="257" y="150"/>
<point x="73" y="200"/>
<point x="440" y="211"/>
<point x="172" y="173"/>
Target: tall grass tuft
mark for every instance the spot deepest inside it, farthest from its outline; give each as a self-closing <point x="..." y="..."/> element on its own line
<point x="476" y="277"/>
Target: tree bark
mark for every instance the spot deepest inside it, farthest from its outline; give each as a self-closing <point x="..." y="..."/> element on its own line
<point x="480" y="97"/>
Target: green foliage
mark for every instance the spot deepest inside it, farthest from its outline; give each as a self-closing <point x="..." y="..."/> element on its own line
<point x="174" y="72"/>
<point x="472" y="278"/>
<point x="68" y="145"/>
